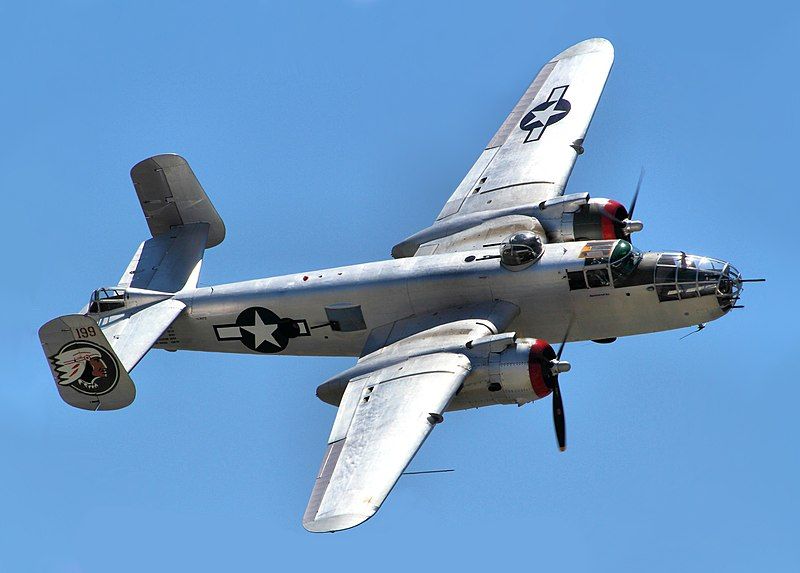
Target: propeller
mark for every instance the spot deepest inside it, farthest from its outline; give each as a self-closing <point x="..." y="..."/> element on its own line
<point x="557" y="367"/>
<point x="636" y="193"/>
<point x="630" y="225"/>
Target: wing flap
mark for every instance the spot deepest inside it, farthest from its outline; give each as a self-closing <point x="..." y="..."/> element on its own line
<point x="384" y="418"/>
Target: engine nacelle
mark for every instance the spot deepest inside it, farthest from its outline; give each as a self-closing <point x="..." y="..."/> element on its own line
<point x="523" y="372"/>
<point x="588" y="220"/>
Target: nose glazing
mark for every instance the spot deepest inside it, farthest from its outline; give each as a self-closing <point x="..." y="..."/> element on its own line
<point x="679" y="276"/>
<point x="729" y="287"/>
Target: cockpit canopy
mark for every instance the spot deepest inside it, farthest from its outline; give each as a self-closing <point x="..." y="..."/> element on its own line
<point x="521" y="250"/>
<point x="624" y="260"/>
<point x="106" y="299"/>
<point x="118" y="299"/>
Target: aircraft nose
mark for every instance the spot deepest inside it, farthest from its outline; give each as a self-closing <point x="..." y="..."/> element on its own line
<point x="680" y="276"/>
<point x="729" y="287"/>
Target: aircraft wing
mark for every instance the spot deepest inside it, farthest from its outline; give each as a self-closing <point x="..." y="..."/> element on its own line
<point x="392" y="399"/>
<point x="530" y="158"/>
<point x="383" y="418"/>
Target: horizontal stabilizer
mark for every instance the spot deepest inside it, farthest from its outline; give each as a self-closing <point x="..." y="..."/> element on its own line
<point x="133" y="334"/>
<point x="87" y="371"/>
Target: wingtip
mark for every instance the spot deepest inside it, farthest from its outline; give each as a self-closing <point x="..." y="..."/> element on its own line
<point x="334" y="523"/>
<point x="586" y="47"/>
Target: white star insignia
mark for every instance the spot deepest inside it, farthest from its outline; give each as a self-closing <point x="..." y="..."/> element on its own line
<point x="262" y="332"/>
<point x="546" y="114"/>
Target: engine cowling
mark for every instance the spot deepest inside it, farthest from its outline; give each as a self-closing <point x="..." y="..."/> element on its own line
<point x="579" y="218"/>
<point x="596" y="219"/>
<point x="523" y="371"/>
<point x="600" y="219"/>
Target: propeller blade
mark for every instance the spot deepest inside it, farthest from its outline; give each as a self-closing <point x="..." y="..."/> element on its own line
<point x="564" y="340"/>
<point x="636" y="194"/>
<point x="558" y="405"/>
<point x="558" y="418"/>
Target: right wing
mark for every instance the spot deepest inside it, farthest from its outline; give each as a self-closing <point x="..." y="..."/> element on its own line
<point x="530" y="158"/>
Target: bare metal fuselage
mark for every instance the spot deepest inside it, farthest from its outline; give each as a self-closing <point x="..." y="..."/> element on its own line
<point x="387" y="291"/>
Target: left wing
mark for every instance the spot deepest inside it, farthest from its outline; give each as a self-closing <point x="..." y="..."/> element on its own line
<point x="388" y="404"/>
<point x="383" y="419"/>
<point x="530" y="158"/>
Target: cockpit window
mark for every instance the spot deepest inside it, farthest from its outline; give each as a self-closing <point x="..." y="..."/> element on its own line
<point x="106" y="299"/>
<point x="624" y="260"/>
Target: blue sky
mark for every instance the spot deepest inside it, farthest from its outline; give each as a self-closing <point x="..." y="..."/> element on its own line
<point x="325" y="133"/>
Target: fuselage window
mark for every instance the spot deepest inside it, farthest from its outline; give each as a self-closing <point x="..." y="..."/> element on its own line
<point x="687" y="274"/>
<point x="665" y="275"/>
<point x="667" y="292"/>
<point x="597" y="278"/>
<point x="576" y="280"/>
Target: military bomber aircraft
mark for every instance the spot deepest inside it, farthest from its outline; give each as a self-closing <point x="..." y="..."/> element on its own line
<point x="457" y="319"/>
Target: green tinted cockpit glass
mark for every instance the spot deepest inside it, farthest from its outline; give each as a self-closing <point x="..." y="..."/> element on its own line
<point x="624" y="259"/>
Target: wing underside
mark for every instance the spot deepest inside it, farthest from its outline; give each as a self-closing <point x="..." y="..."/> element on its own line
<point x="388" y="404"/>
<point x="383" y="419"/>
<point x="530" y="158"/>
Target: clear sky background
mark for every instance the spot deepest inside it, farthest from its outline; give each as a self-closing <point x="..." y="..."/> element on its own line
<point x="325" y="133"/>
